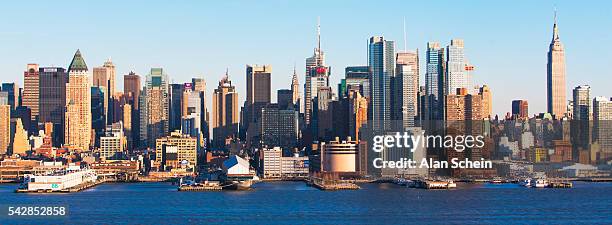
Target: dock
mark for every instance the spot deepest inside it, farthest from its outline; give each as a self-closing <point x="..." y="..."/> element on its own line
<point x="433" y="184"/>
<point x="561" y="185"/>
<point x="327" y="185"/>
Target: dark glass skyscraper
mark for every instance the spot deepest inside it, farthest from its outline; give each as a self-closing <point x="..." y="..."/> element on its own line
<point x="176" y="92"/>
<point x="98" y="113"/>
<point x="13" y="94"/>
<point x="381" y="60"/>
<point x="434" y="82"/>
<point x="52" y="83"/>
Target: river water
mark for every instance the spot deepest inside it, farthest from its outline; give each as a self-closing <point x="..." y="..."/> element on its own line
<point x="296" y="203"/>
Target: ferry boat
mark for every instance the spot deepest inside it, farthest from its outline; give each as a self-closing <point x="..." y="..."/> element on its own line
<point x="434" y="184"/>
<point x="451" y="184"/>
<point x="57" y="180"/>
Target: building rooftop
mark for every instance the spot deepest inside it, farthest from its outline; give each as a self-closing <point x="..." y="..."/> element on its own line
<point x="78" y="63"/>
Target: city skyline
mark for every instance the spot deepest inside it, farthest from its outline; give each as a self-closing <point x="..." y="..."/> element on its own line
<point x="123" y="107"/>
<point x="195" y="62"/>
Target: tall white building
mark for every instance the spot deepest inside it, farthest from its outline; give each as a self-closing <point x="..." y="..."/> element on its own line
<point x="316" y="60"/>
<point x="456" y="74"/>
<point x="555" y="75"/>
<point x="406" y="88"/>
<point x="381" y="61"/>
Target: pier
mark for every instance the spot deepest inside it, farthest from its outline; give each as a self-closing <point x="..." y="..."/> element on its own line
<point x="560" y="185"/>
<point x="200" y="188"/>
<point x="76" y="188"/>
<point x="332" y="185"/>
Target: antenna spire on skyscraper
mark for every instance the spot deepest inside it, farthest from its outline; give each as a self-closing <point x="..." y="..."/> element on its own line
<point x="555" y="17"/>
<point x="555" y="28"/>
<point x="318" y="34"/>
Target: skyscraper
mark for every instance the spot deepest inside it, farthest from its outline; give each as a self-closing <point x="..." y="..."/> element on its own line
<point x="31" y="89"/>
<point x="104" y="77"/>
<point x="602" y="123"/>
<point x="555" y="75"/>
<point x="98" y="113"/>
<point x="13" y="94"/>
<point x="259" y="88"/>
<point x="358" y="112"/>
<point x="154" y="107"/>
<point x="131" y="90"/>
<point x="487" y="102"/>
<point x="176" y="98"/>
<point x="582" y="103"/>
<point x="319" y="78"/>
<point x="581" y="120"/>
<point x="131" y="84"/>
<point x="405" y="85"/>
<point x="126" y="120"/>
<point x="225" y="111"/>
<point x="456" y="75"/>
<point x="316" y="60"/>
<point x="52" y="100"/>
<point x="279" y="127"/>
<point x="285" y="99"/>
<point x="359" y="77"/>
<point x="199" y="86"/>
<point x="78" y="104"/>
<point x="322" y="117"/>
<point x="435" y="81"/>
<point x="295" y="91"/>
<point x="381" y="61"/>
<point x="5" y="128"/>
<point x="192" y="108"/>
<point x="520" y="109"/>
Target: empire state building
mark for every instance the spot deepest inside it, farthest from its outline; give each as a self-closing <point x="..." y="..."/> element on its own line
<point x="555" y="75"/>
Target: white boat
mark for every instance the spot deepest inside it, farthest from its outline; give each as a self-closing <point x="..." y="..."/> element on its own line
<point x="539" y="183"/>
<point x="525" y="182"/>
<point x="497" y="180"/>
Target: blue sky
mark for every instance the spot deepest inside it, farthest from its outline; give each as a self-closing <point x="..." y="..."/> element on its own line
<point x="506" y="41"/>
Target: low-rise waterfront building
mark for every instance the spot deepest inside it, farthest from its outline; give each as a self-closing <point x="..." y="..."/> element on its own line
<point x="339" y="156"/>
<point x="176" y="150"/>
<point x="275" y="166"/>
